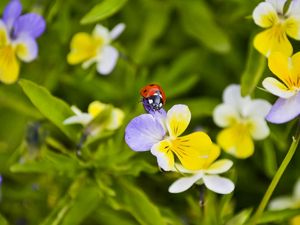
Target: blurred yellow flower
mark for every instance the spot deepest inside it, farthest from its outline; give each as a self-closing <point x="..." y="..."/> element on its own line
<point x="112" y="122"/>
<point x="243" y="120"/>
<point x="96" y="48"/>
<point x="270" y="15"/>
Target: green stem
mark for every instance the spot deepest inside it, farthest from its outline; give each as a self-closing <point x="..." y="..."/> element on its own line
<point x="276" y="178"/>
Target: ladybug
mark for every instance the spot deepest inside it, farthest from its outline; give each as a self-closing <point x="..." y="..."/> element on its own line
<point x="153" y="97"/>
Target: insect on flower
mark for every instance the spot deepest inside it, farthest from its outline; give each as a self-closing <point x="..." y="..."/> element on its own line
<point x="154" y="97"/>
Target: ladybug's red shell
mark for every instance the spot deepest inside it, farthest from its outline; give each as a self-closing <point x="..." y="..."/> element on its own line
<point x="152" y="89"/>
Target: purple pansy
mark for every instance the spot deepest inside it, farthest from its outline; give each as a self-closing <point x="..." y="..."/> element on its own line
<point x="18" y="35"/>
<point x="161" y="133"/>
<point x="286" y="87"/>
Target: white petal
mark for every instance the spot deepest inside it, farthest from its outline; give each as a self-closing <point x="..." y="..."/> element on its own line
<point x="232" y="96"/>
<point x="277" y="88"/>
<point x="218" y="184"/>
<point x="184" y="183"/>
<point x="296" y="193"/>
<point x="265" y="15"/>
<point x="219" y="166"/>
<point x="83" y="119"/>
<point x="224" y="115"/>
<point x="294" y="9"/>
<point x="259" y="128"/>
<point x="103" y="33"/>
<point x="257" y="107"/>
<point x="283" y="202"/>
<point x="277" y="4"/>
<point x="117" y="30"/>
<point x="107" y="60"/>
<point x="76" y="110"/>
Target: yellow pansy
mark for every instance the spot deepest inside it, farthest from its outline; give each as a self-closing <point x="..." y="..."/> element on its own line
<point x="161" y="132"/>
<point x="286" y="87"/>
<point x="270" y="15"/>
<point x="95" y="108"/>
<point x="95" y="48"/>
<point x="243" y="120"/>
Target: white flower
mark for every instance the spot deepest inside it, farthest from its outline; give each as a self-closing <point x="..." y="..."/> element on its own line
<point x="209" y="177"/>
<point x="286" y="202"/>
<point x="243" y="120"/>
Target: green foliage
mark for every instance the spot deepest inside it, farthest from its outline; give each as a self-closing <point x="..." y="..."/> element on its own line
<point x="103" y="10"/>
<point x="57" y="174"/>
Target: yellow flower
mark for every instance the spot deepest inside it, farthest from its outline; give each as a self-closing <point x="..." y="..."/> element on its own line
<point x="95" y="48"/>
<point x="95" y="108"/>
<point x="270" y="15"/>
<point x="161" y="133"/>
<point x="287" y="88"/>
<point x="242" y="120"/>
<point x="208" y="175"/>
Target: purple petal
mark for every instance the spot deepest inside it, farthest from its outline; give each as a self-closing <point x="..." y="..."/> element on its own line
<point x="31" y="24"/>
<point x="143" y="132"/>
<point x="11" y="12"/>
<point x="284" y="110"/>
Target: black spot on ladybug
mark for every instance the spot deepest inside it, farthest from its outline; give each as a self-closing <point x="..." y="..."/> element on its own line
<point x="151" y="85"/>
<point x="145" y="91"/>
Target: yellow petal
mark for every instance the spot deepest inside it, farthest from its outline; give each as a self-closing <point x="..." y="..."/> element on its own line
<point x="164" y="155"/>
<point x="295" y="79"/>
<point x="272" y="40"/>
<point x="281" y="66"/>
<point x="96" y="107"/>
<point x="3" y="35"/>
<point x="9" y="66"/>
<point x="83" y="47"/>
<point x="292" y="26"/>
<point x="237" y="141"/>
<point x="178" y="118"/>
<point x="193" y="150"/>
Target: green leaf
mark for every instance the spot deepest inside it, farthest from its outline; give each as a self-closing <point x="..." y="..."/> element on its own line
<point x="3" y="221"/>
<point x="270" y="161"/>
<point x="240" y="218"/>
<point x="137" y="204"/>
<point x="50" y="162"/>
<point x="103" y="10"/>
<point x="254" y="70"/>
<point x="108" y="216"/>
<point x="197" y="20"/>
<point x="51" y="107"/>
<point x="278" y="215"/>
<point x="83" y="205"/>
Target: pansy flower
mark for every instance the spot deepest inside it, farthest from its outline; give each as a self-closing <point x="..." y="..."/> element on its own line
<point x="243" y="119"/>
<point x="17" y="40"/>
<point x="270" y="14"/>
<point x="112" y="122"/>
<point x="207" y="175"/>
<point x="287" y="69"/>
<point x="288" y="202"/>
<point x="96" y="48"/>
<point x="160" y="132"/>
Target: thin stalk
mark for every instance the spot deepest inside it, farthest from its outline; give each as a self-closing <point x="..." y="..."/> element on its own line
<point x="276" y="178"/>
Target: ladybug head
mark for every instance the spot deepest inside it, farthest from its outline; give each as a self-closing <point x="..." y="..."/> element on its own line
<point x="153" y="102"/>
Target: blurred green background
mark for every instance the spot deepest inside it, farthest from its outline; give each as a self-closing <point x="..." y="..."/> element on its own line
<point x="193" y="49"/>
